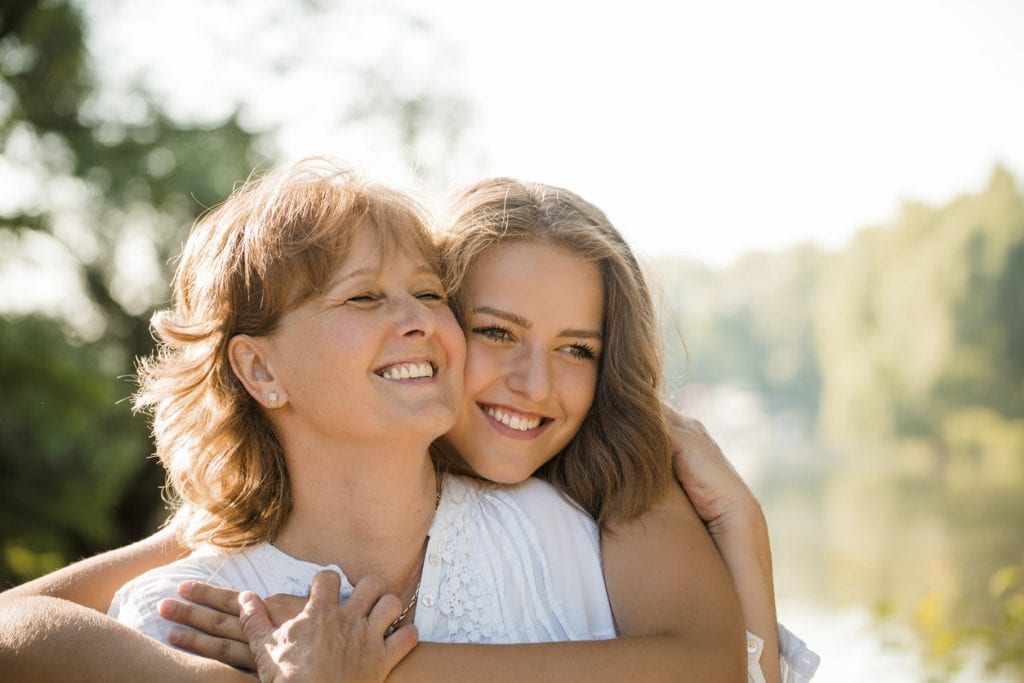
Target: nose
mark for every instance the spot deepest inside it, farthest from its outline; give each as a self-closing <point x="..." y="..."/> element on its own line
<point x="530" y="374"/>
<point x="414" y="318"/>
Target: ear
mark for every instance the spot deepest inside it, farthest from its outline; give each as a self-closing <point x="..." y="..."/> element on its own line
<point x="251" y="364"/>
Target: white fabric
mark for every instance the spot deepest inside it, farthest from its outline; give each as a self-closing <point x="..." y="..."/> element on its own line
<point x="797" y="662"/>
<point x="513" y="564"/>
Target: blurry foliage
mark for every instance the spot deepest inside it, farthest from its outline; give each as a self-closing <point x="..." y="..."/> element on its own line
<point x="924" y="320"/>
<point x="749" y="323"/>
<point x="69" y="453"/>
<point x="905" y="353"/>
<point x="112" y="182"/>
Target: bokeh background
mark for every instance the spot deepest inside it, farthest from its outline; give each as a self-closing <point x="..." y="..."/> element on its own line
<point x="827" y="194"/>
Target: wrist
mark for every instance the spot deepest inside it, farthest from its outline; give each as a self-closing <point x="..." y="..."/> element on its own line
<point x="743" y="521"/>
<point x="741" y="537"/>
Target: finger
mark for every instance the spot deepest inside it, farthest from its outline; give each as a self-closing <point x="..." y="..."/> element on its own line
<point x="208" y="595"/>
<point x="254" y="619"/>
<point x="209" y="621"/>
<point x="399" y="644"/>
<point x="366" y="594"/>
<point x="325" y="589"/>
<point x="230" y="652"/>
<point x="384" y="613"/>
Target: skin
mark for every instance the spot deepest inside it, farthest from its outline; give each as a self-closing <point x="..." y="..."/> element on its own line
<point x="531" y="358"/>
<point x="669" y="626"/>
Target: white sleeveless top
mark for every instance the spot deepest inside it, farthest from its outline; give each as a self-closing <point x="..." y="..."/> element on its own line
<point x="509" y="564"/>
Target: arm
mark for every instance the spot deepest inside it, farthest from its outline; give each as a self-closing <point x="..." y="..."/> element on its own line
<point x="40" y="619"/>
<point x="47" y="639"/>
<point x="737" y="526"/>
<point x="93" y="581"/>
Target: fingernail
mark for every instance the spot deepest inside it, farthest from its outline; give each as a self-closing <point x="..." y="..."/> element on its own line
<point x="186" y="587"/>
<point x="245" y="600"/>
<point x="167" y="607"/>
<point x="175" y="635"/>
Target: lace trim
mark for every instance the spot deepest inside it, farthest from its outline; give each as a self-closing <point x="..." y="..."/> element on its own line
<point x="467" y="599"/>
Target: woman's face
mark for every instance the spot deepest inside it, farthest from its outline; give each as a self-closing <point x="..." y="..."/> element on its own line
<point x="532" y="348"/>
<point x="377" y="355"/>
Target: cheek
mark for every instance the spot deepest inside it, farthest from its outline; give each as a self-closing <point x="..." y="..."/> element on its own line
<point x="451" y="336"/>
<point x="580" y="385"/>
<point x="482" y="368"/>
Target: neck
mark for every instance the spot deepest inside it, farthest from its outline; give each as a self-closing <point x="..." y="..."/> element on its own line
<point x="367" y="509"/>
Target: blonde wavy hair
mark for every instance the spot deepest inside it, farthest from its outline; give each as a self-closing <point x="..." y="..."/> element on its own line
<point x="273" y="244"/>
<point x="619" y="462"/>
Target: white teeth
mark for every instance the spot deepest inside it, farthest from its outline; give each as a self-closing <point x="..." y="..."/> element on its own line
<point x="408" y="371"/>
<point x="520" y="424"/>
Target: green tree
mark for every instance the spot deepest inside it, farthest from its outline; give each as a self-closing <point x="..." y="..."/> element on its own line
<point x="60" y="481"/>
<point x="922" y="321"/>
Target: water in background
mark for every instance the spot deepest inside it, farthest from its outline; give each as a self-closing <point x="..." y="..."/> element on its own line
<point x="887" y="582"/>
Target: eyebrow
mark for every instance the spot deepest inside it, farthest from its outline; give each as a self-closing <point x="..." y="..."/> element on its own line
<point x="519" y="320"/>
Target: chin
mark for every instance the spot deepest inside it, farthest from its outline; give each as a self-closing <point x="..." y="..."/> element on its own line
<point x="500" y="474"/>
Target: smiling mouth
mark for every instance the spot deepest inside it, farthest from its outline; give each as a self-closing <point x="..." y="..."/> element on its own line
<point x="400" y="371"/>
<point x="520" y="422"/>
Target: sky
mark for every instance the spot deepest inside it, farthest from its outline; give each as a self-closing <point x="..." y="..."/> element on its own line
<point x="702" y="128"/>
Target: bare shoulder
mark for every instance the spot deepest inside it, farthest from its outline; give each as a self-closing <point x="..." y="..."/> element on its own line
<point x="672" y="512"/>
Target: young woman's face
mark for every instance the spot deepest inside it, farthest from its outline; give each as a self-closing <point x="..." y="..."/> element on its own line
<point x="532" y="348"/>
<point x="377" y="355"/>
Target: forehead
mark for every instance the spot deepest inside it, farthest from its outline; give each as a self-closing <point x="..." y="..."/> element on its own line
<point x="374" y="250"/>
<point x="537" y="279"/>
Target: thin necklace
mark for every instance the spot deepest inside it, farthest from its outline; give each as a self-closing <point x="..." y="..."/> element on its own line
<point x="394" y="624"/>
<point x="416" y="593"/>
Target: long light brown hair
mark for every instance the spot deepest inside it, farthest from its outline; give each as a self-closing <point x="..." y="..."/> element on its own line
<point x="274" y="243"/>
<point x="619" y="462"/>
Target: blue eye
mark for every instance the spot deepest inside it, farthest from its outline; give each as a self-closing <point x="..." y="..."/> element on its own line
<point x="494" y="333"/>
<point x="582" y="352"/>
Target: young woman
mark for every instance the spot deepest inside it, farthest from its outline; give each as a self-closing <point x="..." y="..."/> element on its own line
<point x="531" y="377"/>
